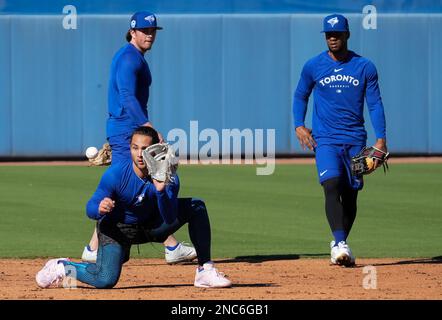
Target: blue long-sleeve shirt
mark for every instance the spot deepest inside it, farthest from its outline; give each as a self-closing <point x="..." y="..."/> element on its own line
<point x="136" y="200"/>
<point x="128" y="93"/>
<point x="339" y="91"/>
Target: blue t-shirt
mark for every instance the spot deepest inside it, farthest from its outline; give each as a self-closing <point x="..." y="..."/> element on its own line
<point x="129" y="83"/>
<point x="339" y="91"/>
<point x="136" y="200"/>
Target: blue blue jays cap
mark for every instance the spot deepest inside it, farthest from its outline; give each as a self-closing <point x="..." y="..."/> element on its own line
<point x="143" y="19"/>
<point x="335" y="23"/>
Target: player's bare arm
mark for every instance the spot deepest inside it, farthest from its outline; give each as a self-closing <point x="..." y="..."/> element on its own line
<point x="305" y="137"/>
<point x="381" y="144"/>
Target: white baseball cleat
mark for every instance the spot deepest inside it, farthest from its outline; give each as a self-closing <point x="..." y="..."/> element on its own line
<point x="334" y="252"/>
<point x="182" y="253"/>
<point x="210" y="277"/>
<point x="51" y="274"/>
<point x="341" y="254"/>
<point x="89" y="255"/>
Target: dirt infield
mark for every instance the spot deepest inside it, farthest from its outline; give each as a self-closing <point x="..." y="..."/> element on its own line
<point x="258" y="278"/>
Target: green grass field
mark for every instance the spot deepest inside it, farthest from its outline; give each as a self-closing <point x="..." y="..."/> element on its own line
<point x="42" y="211"/>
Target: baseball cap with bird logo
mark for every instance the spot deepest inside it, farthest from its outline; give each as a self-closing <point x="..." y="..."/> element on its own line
<point x="144" y="19"/>
<point x="335" y="23"/>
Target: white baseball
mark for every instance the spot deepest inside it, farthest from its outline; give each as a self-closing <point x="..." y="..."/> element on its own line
<point x="91" y="152"/>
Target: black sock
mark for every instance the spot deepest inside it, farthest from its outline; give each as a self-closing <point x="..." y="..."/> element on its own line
<point x="349" y="203"/>
<point x="333" y="204"/>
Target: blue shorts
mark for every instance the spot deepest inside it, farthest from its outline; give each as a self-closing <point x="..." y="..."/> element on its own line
<point x="334" y="161"/>
<point x="120" y="147"/>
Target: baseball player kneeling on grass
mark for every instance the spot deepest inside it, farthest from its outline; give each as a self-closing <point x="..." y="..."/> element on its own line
<point x="129" y="82"/>
<point x="137" y="202"/>
<point x="341" y="79"/>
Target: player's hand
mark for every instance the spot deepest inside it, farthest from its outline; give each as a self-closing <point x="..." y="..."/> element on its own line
<point x="381" y="144"/>
<point x="305" y="137"/>
<point x="160" y="186"/>
<point x="106" y="206"/>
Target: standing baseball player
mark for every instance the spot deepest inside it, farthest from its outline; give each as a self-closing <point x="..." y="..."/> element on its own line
<point x="340" y="79"/>
<point x="135" y="203"/>
<point x="128" y="94"/>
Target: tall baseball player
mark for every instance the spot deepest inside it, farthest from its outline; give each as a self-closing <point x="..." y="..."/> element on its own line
<point x="340" y="79"/>
<point x="128" y="94"/>
<point x="137" y="202"/>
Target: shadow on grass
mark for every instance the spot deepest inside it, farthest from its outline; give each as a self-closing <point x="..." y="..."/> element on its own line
<point x="271" y="257"/>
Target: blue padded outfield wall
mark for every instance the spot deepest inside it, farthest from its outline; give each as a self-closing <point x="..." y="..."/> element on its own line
<point x="225" y="70"/>
<point x="218" y="6"/>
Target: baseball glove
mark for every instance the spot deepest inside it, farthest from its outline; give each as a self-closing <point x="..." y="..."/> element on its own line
<point x="104" y="156"/>
<point x="161" y="162"/>
<point x="364" y="162"/>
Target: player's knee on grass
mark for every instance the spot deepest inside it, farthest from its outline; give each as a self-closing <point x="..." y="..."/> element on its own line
<point x="161" y="233"/>
<point x="198" y="210"/>
<point x="196" y="214"/>
<point x="189" y="209"/>
<point x="198" y="207"/>
<point x="199" y="229"/>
